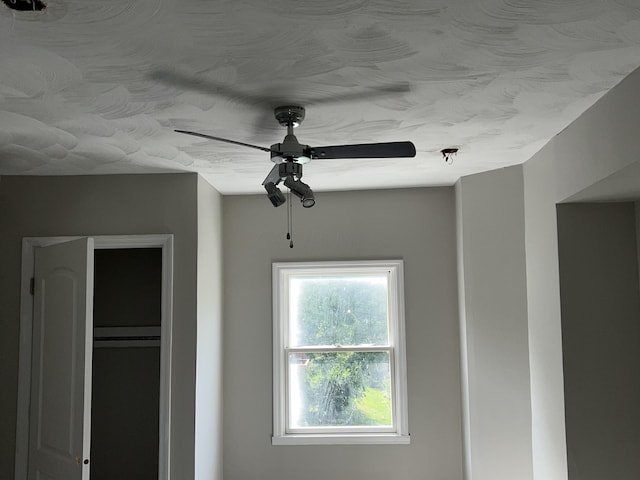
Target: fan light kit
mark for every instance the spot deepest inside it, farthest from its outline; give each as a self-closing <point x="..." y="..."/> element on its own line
<point x="290" y="155"/>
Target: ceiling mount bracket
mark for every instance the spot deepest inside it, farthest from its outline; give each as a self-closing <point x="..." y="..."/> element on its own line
<point x="448" y="154"/>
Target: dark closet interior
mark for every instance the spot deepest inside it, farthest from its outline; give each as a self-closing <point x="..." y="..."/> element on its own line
<point x="126" y="364"/>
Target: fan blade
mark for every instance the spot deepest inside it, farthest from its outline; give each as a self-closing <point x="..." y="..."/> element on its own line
<point x="282" y="96"/>
<point x="366" y="150"/>
<point x="267" y="100"/>
<point x="219" y="139"/>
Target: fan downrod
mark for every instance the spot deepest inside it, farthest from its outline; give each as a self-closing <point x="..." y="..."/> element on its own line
<point x="289" y="115"/>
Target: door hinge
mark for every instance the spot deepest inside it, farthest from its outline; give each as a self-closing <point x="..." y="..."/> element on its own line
<point x="32" y="286"/>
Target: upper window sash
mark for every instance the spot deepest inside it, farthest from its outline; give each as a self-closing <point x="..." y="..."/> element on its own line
<point x="340" y="348"/>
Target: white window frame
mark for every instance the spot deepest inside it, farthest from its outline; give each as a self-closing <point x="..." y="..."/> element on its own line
<point x="399" y="432"/>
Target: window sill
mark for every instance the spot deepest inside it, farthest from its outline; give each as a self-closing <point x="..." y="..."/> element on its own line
<point x="352" y="439"/>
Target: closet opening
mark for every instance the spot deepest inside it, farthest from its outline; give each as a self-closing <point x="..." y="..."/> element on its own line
<point x="126" y="364"/>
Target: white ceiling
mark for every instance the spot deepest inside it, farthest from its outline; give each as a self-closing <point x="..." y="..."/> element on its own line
<point x="97" y="87"/>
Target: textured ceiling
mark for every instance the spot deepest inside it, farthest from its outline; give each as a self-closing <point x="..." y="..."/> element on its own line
<point x="97" y="87"/>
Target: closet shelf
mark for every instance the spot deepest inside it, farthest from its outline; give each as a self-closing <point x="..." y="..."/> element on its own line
<point x="111" y="337"/>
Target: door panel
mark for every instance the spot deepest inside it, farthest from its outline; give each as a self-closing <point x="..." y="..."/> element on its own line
<point x="61" y="364"/>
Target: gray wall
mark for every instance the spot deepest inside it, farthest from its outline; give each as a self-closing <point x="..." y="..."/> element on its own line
<point x="637" y="209"/>
<point x="124" y="413"/>
<point x="494" y="328"/>
<point x="601" y="339"/>
<point x="548" y="439"/>
<point x="208" y="441"/>
<point x="598" y="144"/>
<point x="102" y="205"/>
<point x="417" y="225"/>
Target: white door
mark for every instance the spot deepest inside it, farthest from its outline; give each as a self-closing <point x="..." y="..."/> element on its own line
<point x="60" y="409"/>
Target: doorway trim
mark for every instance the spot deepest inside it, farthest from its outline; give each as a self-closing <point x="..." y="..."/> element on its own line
<point x="29" y="244"/>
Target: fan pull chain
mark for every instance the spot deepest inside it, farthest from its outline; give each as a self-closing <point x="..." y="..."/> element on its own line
<point x="289" y="219"/>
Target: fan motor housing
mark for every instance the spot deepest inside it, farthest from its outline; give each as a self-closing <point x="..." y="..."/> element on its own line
<point x="289" y="115"/>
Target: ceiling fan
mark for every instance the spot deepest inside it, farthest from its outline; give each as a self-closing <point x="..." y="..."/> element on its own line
<point x="290" y="155"/>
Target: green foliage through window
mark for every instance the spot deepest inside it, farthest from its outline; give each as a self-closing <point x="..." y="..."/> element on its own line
<point x="345" y="388"/>
<point x="343" y="311"/>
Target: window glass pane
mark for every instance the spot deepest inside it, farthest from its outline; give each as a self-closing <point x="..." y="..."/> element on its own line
<point x="338" y="310"/>
<point x="339" y="389"/>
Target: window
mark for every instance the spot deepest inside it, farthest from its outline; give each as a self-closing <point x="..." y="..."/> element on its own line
<point x="339" y="359"/>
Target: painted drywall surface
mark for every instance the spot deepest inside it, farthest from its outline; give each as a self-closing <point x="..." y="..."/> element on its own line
<point x="498" y="407"/>
<point x="621" y="186"/>
<point x="124" y="413"/>
<point x="102" y="205"/>
<point x="416" y="225"/>
<point x="601" y="339"/>
<point x="88" y="90"/>
<point x="593" y="148"/>
<point x="637" y="209"/>
<point x="208" y="441"/>
<point x="464" y="347"/>
<point x="127" y="287"/>
<point x="600" y="142"/>
<point x="545" y="339"/>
